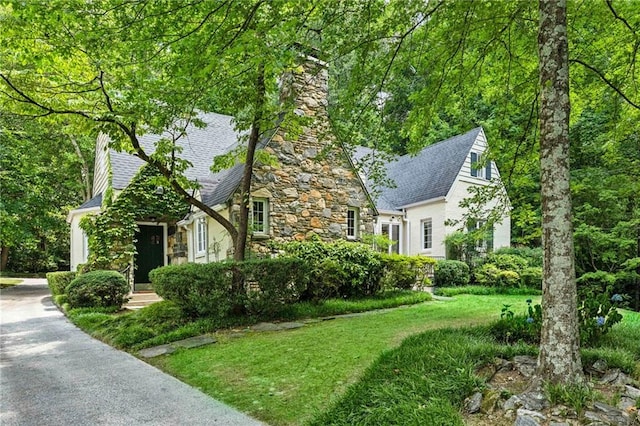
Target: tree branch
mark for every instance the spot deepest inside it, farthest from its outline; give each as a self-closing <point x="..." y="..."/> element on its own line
<point x="620" y="18"/>
<point x="130" y="132"/>
<point x="606" y="80"/>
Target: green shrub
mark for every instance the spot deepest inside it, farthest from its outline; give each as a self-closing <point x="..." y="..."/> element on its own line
<point x="61" y="299"/>
<point x="200" y="289"/>
<point x="485" y="291"/>
<point x="486" y="274"/>
<point x="507" y="270"/>
<point x="208" y="290"/>
<point x="451" y="273"/>
<point x="406" y="272"/>
<point x="340" y="269"/>
<point x="98" y="289"/>
<point x="507" y="262"/>
<point x="277" y="281"/>
<point x="508" y="278"/>
<point x="512" y="328"/>
<point x="58" y="281"/>
<point x="597" y="306"/>
<point x="533" y="256"/>
<point x="531" y="277"/>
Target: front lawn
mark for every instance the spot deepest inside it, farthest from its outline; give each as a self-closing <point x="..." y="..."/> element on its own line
<point x="427" y="378"/>
<point x="164" y="322"/>
<point x="290" y="377"/>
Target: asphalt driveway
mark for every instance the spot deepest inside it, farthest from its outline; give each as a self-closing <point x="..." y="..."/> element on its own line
<point x="51" y="373"/>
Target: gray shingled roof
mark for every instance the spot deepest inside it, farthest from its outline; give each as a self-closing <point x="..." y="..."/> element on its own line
<point x="200" y="146"/>
<point x="94" y="202"/>
<point x="427" y="175"/>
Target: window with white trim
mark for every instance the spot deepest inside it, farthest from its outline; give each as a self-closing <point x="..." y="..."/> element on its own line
<point x="484" y="242"/>
<point x="479" y="168"/>
<point x="427" y="234"/>
<point x="352" y="222"/>
<point x="260" y="216"/>
<point x="392" y="232"/>
<point x="201" y="236"/>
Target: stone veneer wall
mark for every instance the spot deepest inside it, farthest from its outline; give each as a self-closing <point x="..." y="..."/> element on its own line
<point x="315" y="183"/>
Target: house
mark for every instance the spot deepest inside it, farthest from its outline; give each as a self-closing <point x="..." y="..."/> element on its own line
<point x="315" y="187"/>
<point x="421" y="203"/>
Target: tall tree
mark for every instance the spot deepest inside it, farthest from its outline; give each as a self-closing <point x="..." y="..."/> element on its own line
<point x="475" y="63"/>
<point x="559" y="359"/>
<point x="165" y="61"/>
<point x="40" y="180"/>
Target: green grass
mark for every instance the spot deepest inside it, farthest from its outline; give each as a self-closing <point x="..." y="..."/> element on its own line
<point x="289" y="377"/>
<point x="9" y="282"/>
<point x="620" y="347"/>
<point x="156" y="324"/>
<point x="426" y="379"/>
<point x="423" y="382"/>
<point x="164" y="322"/>
<point x="485" y="291"/>
<point x="331" y="307"/>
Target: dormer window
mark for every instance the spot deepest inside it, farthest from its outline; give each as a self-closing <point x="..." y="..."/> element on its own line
<point x="478" y="168"/>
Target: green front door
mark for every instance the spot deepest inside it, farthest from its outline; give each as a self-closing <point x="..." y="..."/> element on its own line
<point x="150" y="248"/>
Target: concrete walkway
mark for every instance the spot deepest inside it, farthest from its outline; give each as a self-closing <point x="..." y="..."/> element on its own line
<point x="51" y="373"/>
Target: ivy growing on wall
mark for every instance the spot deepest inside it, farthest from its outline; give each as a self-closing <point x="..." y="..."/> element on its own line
<point x="111" y="234"/>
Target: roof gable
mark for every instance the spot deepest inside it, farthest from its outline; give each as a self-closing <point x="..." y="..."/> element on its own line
<point x="199" y="147"/>
<point x="429" y="174"/>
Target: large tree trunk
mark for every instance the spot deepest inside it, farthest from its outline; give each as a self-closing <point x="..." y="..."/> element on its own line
<point x="559" y="359"/>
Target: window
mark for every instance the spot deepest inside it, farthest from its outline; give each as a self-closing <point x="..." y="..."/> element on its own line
<point x="352" y="222"/>
<point x="477" y="169"/>
<point x="85" y="247"/>
<point x="474" y="164"/>
<point x="259" y="216"/>
<point x="392" y="232"/>
<point x="484" y="240"/>
<point x="427" y="234"/>
<point x="201" y="236"/>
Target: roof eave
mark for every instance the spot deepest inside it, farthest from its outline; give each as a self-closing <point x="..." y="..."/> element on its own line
<point x="424" y="202"/>
<point x="75" y="212"/>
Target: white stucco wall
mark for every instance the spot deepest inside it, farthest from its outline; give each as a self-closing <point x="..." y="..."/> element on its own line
<point x="460" y="191"/>
<point x="78" y="248"/>
<point x="434" y="210"/>
<point x="218" y="239"/>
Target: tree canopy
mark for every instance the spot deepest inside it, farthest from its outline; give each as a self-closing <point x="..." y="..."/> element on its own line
<point x="403" y="75"/>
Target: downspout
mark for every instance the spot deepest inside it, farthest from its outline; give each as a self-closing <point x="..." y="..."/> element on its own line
<point x="206" y="239"/>
<point x="407" y="232"/>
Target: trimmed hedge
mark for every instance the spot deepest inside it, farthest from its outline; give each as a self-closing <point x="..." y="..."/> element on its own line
<point x="277" y="281"/>
<point x="340" y="269"/>
<point x="451" y="273"/>
<point x="261" y="286"/>
<point x="58" y="281"/>
<point x="200" y="289"/>
<point x="97" y="289"/>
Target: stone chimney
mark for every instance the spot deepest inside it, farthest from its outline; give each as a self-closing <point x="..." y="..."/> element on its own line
<point x="315" y="183"/>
